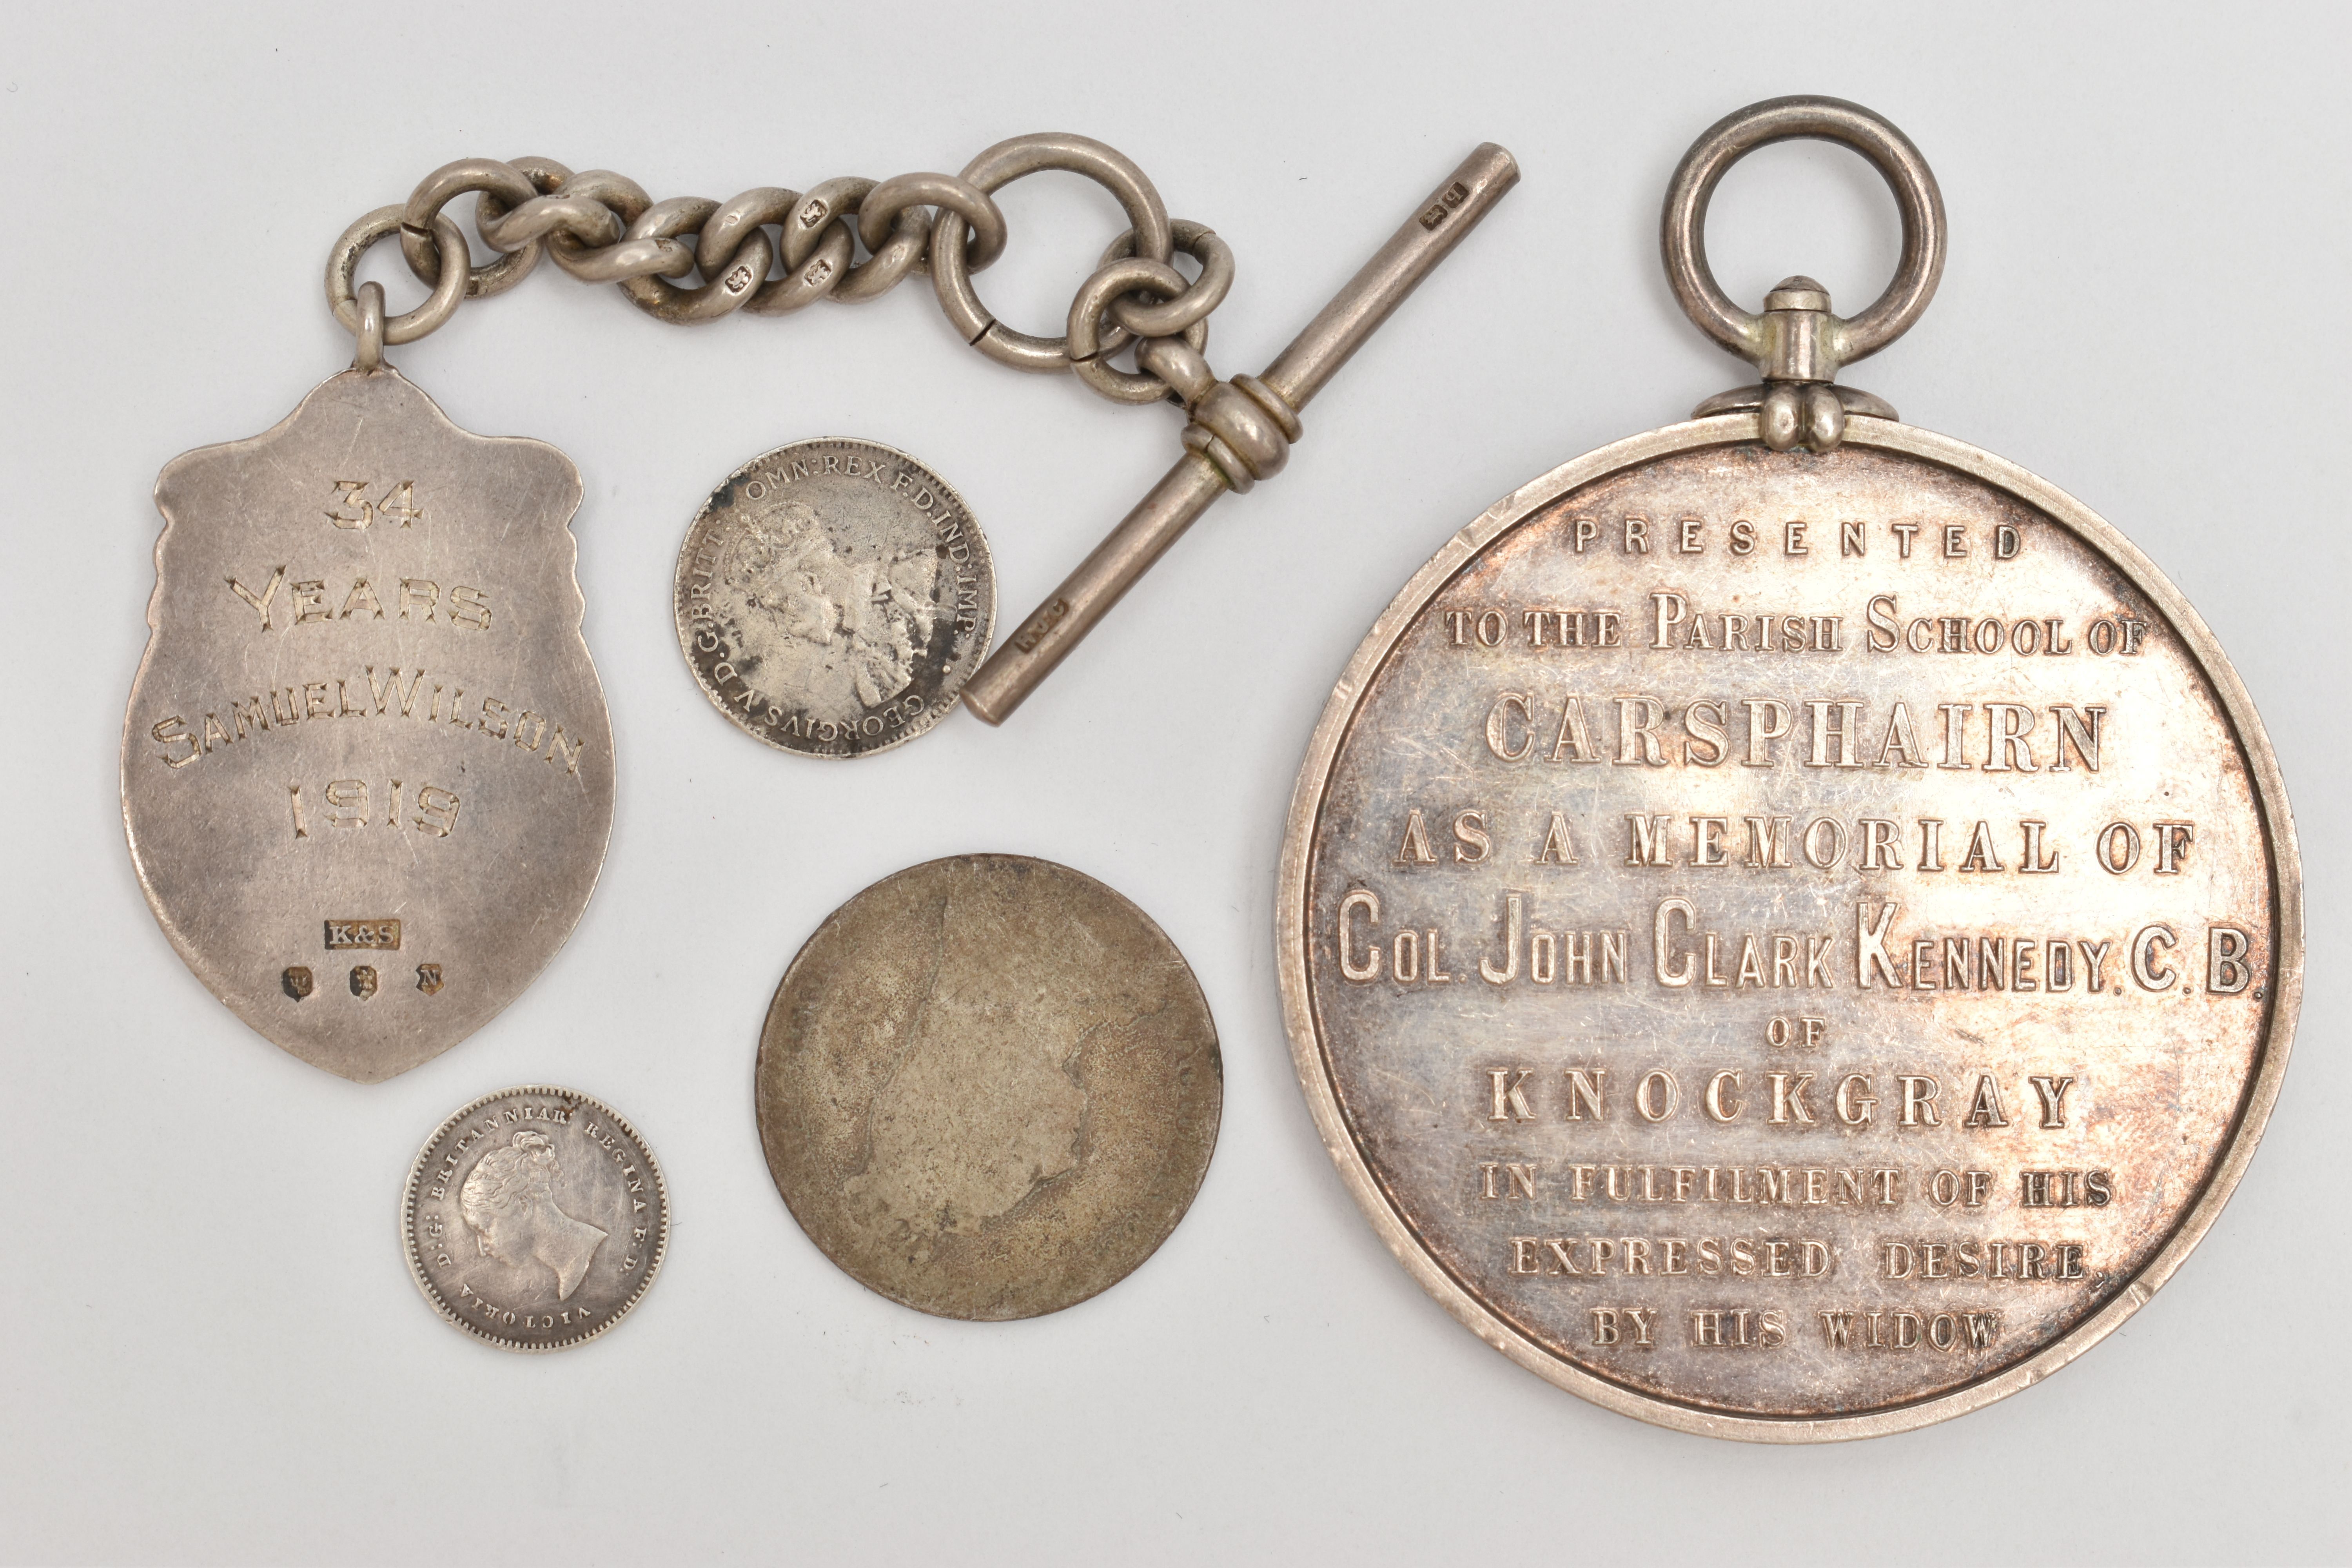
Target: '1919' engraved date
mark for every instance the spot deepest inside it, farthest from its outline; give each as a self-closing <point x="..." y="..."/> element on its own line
<point x="346" y="804"/>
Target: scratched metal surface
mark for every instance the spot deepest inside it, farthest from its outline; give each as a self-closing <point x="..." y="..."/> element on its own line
<point x="367" y="771"/>
<point x="1747" y="1241"/>
<point x="833" y="596"/>
<point x="988" y="1086"/>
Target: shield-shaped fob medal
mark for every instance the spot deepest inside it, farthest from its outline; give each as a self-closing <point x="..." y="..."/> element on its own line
<point x="1790" y="926"/>
<point x="367" y="769"/>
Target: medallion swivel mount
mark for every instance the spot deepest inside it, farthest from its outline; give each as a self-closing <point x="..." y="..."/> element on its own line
<point x="1798" y="343"/>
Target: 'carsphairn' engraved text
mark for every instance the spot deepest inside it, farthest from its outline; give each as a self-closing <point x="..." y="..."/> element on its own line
<point x="1775" y="913"/>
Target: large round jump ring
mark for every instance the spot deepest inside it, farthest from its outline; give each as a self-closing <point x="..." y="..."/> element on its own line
<point x="1683" y="229"/>
<point x="1000" y="165"/>
<point x="503" y="184"/>
<point x="344" y="263"/>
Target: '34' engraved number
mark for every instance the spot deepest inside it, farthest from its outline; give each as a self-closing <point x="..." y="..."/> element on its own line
<point x="399" y="502"/>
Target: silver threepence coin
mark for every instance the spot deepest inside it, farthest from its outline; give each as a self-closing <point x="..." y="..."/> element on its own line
<point x="534" y="1218"/>
<point x="833" y="596"/>
<point x="988" y="1086"/>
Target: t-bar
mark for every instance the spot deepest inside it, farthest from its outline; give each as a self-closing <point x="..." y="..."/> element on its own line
<point x="1240" y="430"/>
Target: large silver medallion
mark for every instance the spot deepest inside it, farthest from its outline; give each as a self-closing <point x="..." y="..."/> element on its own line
<point x="1791" y="944"/>
<point x="367" y="771"/>
<point x="833" y="598"/>
<point x="534" y="1218"/>
<point x="988" y="1086"/>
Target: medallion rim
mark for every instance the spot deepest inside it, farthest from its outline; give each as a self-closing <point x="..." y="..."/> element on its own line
<point x="1340" y="1142"/>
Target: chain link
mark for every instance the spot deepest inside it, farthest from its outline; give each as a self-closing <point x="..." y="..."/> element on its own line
<point x="772" y="252"/>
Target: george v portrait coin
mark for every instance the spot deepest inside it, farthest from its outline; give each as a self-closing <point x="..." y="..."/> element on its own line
<point x="534" y="1218"/>
<point x="988" y="1086"/>
<point x="833" y="598"/>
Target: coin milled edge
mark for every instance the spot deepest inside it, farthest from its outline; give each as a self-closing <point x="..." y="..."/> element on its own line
<point x="660" y="1249"/>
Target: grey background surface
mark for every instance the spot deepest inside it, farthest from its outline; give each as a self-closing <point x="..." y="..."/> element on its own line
<point x="209" y="1346"/>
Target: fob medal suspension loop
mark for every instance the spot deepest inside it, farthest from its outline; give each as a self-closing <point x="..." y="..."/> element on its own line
<point x="1796" y="342"/>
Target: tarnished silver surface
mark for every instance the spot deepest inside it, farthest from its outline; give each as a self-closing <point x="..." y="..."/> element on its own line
<point x="534" y="1218"/>
<point x="602" y="227"/>
<point x="1790" y="944"/>
<point x="366" y="770"/>
<point x="833" y="596"/>
<point x="988" y="1086"/>
<point x="1814" y="991"/>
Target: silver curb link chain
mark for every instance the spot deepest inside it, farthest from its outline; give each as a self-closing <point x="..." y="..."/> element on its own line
<point x="774" y="251"/>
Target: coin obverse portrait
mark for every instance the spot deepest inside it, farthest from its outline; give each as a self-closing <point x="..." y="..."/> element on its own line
<point x="509" y="1203"/>
<point x="845" y="632"/>
<point x="535" y="1218"/>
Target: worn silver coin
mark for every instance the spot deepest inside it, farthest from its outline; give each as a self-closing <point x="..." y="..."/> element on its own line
<point x="535" y="1218"/>
<point x="833" y="596"/>
<point x="988" y="1086"/>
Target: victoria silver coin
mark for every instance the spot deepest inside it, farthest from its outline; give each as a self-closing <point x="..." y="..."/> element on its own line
<point x="1790" y="926"/>
<point x="367" y="774"/>
<point x="833" y="596"/>
<point x="988" y="1086"/>
<point x="534" y="1218"/>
